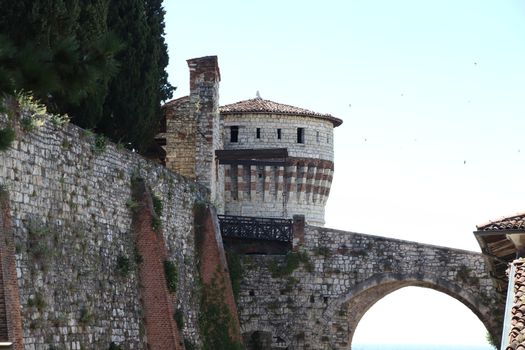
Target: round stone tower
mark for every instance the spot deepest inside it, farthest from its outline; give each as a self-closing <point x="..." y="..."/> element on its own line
<point x="278" y="160"/>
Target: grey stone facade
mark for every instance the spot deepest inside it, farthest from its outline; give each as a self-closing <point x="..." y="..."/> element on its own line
<point x="319" y="304"/>
<point x="318" y="139"/>
<point x="75" y="256"/>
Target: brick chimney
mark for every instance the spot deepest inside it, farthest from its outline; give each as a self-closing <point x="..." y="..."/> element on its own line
<point x="204" y="109"/>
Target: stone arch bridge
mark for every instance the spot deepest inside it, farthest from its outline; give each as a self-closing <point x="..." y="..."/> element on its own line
<point x="314" y="296"/>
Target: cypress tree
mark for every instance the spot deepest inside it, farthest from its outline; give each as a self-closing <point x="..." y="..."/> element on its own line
<point x="132" y="107"/>
<point x="59" y="50"/>
<point x="64" y="52"/>
<point x="94" y="37"/>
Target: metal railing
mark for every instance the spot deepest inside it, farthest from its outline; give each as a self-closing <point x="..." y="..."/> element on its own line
<point x="247" y="227"/>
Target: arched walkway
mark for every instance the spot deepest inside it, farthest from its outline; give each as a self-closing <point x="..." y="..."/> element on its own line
<point x="418" y="316"/>
<point x="344" y="313"/>
<point x="340" y="275"/>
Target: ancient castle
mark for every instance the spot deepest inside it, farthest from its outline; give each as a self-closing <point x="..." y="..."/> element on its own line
<point x="104" y="249"/>
<point x="259" y="157"/>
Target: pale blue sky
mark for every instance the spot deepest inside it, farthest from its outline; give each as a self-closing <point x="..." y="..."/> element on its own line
<point x="432" y="94"/>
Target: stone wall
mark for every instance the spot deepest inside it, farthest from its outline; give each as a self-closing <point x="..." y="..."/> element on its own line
<point x="204" y="108"/>
<point x="318" y="142"/>
<point x="299" y="188"/>
<point x="180" y="137"/>
<point x="76" y="260"/>
<point x="314" y="298"/>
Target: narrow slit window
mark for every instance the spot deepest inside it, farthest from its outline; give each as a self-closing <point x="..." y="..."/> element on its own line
<point x="278" y="134"/>
<point x="317" y="136"/>
<point x="258" y="133"/>
<point x="300" y="135"/>
<point x="234" y="134"/>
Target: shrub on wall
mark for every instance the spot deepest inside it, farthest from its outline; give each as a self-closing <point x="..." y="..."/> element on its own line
<point x="215" y="320"/>
<point x="236" y="271"/>
<point x="291" y="262"/>
<point x="7" y="136"/>
<point x="172" y="275"/>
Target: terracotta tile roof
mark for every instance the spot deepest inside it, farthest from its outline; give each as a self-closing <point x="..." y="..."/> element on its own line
<point x="517" y="327"/>
<point x="176" y="102"/>
<point x="261" y="106"/>
<point x="515" y="222"/>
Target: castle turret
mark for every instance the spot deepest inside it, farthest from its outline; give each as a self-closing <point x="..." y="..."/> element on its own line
<point x="258" y="157"/>
<point x="278" y="160"/>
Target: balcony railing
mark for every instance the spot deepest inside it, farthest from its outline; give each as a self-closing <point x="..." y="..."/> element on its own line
<point x="247" y="227"/>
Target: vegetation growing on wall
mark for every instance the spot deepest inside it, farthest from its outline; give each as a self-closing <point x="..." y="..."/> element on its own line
<point x="38" y="248"/>
<point x="215" y="319"/>
<point x="82" y="57"/>
<point x="217" y="324"/>
<point x="291" y="262"/>
<point x="7" y="136"/>
<point x="464" y="274"/>
<point x="236" y="270"/>
<point x="172" y="275"/>
<point x="123" y="266"/>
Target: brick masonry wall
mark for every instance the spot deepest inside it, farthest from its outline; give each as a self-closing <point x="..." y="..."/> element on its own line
<point x="320" y="308"/>
<point x="11" y="300"/>
<point x="157" y="301"/>
<point x="214" y="268"/>
<point x="71" y="220"/>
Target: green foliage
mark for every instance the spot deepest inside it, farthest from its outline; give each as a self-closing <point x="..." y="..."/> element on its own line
<point x="179" y="318"/>
<point x="37" y="301"/>
<point x="59" y="120"/>
<point x="273" y="305"/>
<point x="4" y="193"/>
<point x="172" y="275"/>
<point x="157" y="208"/>
<point x="188" y="345"/>
<point x="464" y="274"/>
<point x="86" y="316"/>
<point x="291" y="262"/>
<point x="323" y="251"/>
<point x="123" y="266"/>
<point x="290" y="283"/>
<point x="157" y="204"/>
<point x="114" y="346"/>
<point x="132" y="204"/>
<point x="26" y="124"/>
<point x="138" y="257"/>
<point x="99" y="145"/>
<point x="29" y="105"/>
<point x="215" y="320"/>
<point x="492" y="342"/>
<point x="236" y="272"/>
<point x="39" y="248"/>
<point x="132" y="115"/>
<point x="155" y="223"/>
<point x="199" y="215"/>
<point x="7" y="136"/>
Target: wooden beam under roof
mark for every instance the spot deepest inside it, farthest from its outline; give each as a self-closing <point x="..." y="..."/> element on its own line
<point x="264" y="156"/>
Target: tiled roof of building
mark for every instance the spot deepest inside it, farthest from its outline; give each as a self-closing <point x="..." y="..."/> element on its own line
<point x="176" y="102"/>
<point x="261" y="106"/>
<point x="515" y="222"/>
<point x="517" y="327"/>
